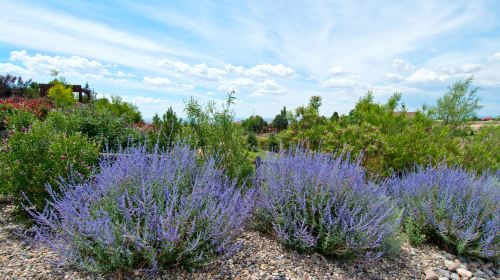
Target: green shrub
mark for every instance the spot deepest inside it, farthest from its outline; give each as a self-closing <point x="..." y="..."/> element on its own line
<point x="102" y="127"/>
<point x="272" y="143"/>
<point x="252" y="141"/>
<point x="62" y="95"/>
<point x="216" y="135"/>
<point x="41" y="156"/>
<point x="119" y="108"/>
<point x="482" y="150"/>
<point x="13" y="119"/>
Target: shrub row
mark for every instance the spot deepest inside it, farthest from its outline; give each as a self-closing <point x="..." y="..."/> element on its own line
<point x="452" y="207"/>
<point x="165" y="208"/>
<point x="148" y="210"/>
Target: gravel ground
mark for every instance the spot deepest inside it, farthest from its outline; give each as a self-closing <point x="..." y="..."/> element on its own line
<point x="260" y="258"/>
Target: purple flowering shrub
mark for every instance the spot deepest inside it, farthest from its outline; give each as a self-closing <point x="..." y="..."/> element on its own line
<point x="146" y="211"/>
<point x="450" y="206"/>
<point x="316" y="202"/>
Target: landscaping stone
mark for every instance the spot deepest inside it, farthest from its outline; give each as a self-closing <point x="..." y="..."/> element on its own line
<point x="261" y="257"/>
<point x="430" y="274"/>
<point x="442" y="272"/>
<point x="464" y="274"/>
<point x="452" y="266"/>
<point x="480" y="274"/>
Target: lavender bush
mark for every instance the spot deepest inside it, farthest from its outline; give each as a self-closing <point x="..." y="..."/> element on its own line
<point x="146" y="211"/>
<point x="451" y="206"/>
<point x="314" y="202"/>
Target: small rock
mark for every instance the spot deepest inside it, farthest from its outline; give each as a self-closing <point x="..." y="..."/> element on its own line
<point x="480" y="274"/>
<point x="452" y="266"/>
<point x="454" y="276"/>
<point x="442" y="272"/>
<point x="443" y="278"/>
<point x="489" y="272"/>
<point x="465" y="274"/>
<point x="430" y="274"/>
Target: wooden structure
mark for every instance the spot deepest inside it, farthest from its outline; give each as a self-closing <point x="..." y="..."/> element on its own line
<point x="44" y="90"/>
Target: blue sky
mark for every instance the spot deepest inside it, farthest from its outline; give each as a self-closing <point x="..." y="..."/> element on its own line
<point x="157" y="54"/>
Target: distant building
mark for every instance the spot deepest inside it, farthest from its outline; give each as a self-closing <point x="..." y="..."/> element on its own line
<point x="486" y="119"/>
<point x="408" y="114"/>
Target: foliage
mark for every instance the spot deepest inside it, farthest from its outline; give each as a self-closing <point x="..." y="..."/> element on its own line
<point x="146" y="211"/>
<point x="119" y="108"/>
<point x="254" y="123"/>
<point x="272" y="143"/>
<point x="315" y="202"/>
<point x="252" y="142"/>
<point x="39" y="107"/>
<point x="449" y="205"/>
<point x="482" y="150"/>
<point x="364" y="141"/>
<point x="40" y="156"/>
<point x="459" y="104"/>
<point x="62" y="95"/>
<point x="308" y="116"/>
<point x="12" y="119"/>
<point x="388" y="140"/>
<point x="11" y="86"/>
<point x="280" y="122"/>
<point x="102" y="127"/>
<point x="167" y="130"/>
<point x="216" y="134"/>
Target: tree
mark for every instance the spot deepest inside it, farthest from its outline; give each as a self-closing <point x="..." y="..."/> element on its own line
<point x="459" y="104"/>
<point x="280" y="122"/>
<point x="254" y="124"/>
<point x="12" y="85"/>
<point x="335" y="117"/>
<point x="62" y="95"/>
<point x="167" y="129"/>
<point x="315" y="102"/>
<point x="308" y="116"/>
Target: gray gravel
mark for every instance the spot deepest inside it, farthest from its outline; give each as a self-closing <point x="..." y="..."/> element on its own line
<point x="260" y="258"/>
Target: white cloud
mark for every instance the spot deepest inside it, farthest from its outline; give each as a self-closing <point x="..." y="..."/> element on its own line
<point x="495" y="57"/>
<point x="14" y="69"/>
<point x="198" y="70"/>
<point x="265" y="70"/>
<point x="423" y="75"/>
<point x="239" y="83"/>
<point x="69" y="65"/>
<point x="402" y="66"/>
<point x="120" y="74"/>
<point x="336" y="71"/>
<point x="466" y="69"/>
<point x="394" y="77"/>
<point x="261" y="70"/>
<point x="146" y="100"/>
<point x="346" y="82"/>
<point x="157" y="81"/>
<point x="269" y="87"/>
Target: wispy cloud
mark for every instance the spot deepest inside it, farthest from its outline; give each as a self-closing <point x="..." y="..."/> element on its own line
<point x="272" y="53"/>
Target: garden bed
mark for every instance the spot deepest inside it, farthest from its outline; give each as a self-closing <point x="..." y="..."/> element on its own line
<point x="261" y="257"/>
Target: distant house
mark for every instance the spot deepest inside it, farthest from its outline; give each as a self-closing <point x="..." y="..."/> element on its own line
<point x="408" y="114"/>
<point x="486" y="119"/>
